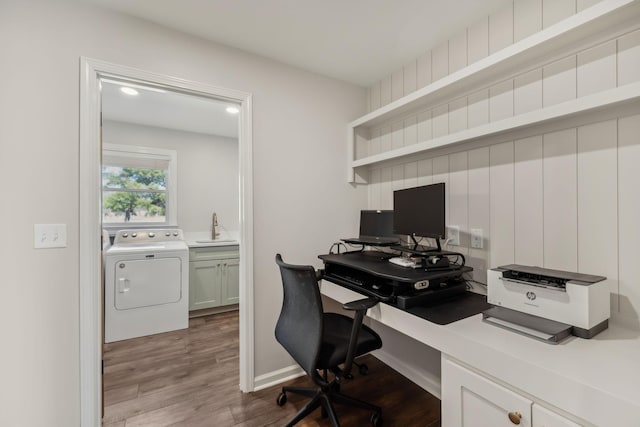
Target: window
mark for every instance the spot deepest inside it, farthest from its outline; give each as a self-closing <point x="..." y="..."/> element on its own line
<point x="138" y="186"/>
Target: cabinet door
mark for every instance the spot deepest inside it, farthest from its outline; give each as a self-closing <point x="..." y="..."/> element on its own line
<point x="543" y="417"/>
<point x="231" y="281"/>
<point x="205" y="287"/>
<point x="471" y="400"/>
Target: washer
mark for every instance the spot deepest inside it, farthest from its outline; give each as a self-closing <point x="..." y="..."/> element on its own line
<point x="146" y="284"/>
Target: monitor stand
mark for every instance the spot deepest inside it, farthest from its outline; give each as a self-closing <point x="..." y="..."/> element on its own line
<point x="417" y="249"/>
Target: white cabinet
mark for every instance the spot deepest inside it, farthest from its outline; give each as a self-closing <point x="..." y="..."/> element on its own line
<point x="473" y="400"/>
<point x="213" y="277"/>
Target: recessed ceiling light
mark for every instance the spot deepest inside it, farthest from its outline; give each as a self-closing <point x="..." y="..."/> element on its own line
<point x="128" y="90"/>
<point x="233" y="110"/>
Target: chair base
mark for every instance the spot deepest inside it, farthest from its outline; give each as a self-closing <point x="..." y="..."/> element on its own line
<point x="326" y="397"/>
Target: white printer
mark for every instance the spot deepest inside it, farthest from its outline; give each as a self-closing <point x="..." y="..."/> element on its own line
<point x="547" y="304"/>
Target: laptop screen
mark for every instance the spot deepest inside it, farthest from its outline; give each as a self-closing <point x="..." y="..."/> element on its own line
<point x="376" y="223"/>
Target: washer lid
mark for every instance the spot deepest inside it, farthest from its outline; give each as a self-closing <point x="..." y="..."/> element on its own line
<point x="130" y="248"/>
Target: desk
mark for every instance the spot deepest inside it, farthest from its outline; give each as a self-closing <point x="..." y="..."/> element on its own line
<point x="594" y="380"/>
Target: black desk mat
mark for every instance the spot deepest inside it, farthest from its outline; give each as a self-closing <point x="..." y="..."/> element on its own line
<point x="451" y="310"/>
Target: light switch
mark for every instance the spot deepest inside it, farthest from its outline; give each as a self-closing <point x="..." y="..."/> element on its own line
<point x="453" y="235"/>
<point x="49" y="236"/>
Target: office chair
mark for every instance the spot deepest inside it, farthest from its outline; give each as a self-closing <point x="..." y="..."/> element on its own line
<point x="320" y="341"/>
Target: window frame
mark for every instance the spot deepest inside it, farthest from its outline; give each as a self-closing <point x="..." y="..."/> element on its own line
<point x="171" y="191"/>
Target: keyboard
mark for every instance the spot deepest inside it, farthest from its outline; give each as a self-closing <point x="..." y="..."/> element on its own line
<point x="403" y="262"/>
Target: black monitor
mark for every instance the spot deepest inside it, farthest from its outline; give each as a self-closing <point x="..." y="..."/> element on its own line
<point x="376" y="223"/>
<point x="420" y="211"/>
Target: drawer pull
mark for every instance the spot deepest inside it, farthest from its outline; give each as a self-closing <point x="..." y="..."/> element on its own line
<point x="515" y="417"/>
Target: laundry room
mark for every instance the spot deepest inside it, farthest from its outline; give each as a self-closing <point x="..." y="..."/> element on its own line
<point x="170" y="215"/>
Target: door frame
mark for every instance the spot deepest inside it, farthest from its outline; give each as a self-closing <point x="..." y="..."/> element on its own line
<point x="91" y="70"/>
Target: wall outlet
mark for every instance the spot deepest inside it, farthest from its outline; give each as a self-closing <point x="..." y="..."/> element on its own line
<point x="49" y="236"/>
<point x="453" y="235"/>
<point x="476" y="238"/>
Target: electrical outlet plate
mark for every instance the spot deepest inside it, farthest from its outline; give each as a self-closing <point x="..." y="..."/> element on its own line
<point x="476" y="238"/>
<point x="49" y="236"/>
<point x="453" y="235"/>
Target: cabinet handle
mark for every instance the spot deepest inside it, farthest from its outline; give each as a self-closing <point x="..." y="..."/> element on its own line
<point x="515" y="417"/>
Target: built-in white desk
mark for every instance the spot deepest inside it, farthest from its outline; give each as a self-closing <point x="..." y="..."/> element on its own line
<point x="596" y="380"/>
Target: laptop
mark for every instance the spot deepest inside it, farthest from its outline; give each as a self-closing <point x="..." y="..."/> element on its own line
<point x="376" y="229"/>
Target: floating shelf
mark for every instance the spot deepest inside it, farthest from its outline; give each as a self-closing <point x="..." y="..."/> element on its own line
<point x="608" y="17"/>
<point x="584" y="105"/>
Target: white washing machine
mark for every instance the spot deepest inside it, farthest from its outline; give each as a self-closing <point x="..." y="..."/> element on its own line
<point x="146" y="284"/>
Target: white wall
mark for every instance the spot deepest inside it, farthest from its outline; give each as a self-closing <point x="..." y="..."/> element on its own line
<point x="207" y="171"/>
<point x="301" y="201"/>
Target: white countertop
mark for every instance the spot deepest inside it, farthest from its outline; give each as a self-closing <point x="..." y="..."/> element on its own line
<point x="597" y="380"/>
<point x="202" y="239"/>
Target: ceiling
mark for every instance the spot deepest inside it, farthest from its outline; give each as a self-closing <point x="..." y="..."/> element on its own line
<point x="167" y="109"/>
<point x="358" y="41"/>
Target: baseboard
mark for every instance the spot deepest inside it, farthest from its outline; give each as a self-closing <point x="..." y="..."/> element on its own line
<point x="276" y="377"/>
<point x="430" y="384"/>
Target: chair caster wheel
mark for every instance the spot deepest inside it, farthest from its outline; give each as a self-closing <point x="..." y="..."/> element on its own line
<point x="363" y="369"/>
<point x="282" y="399"/>
<point x="376" y="419"/>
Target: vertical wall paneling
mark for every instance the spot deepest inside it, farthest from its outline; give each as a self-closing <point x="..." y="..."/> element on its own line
<point x="385" y="91"/>
<point x="527" y="92"/>
<point x="598" y="201"/>
<point x="410" y="175"/>
<point x="397" y="84"/>
<point x="374" y="97"/>
<point x="560" y="204"/>
<point x="629" y="212"/>
<point x="440" y="61"/>
<point x="501" y="194"/>
<point x="528" y="223"/>
<point x="410" y="130"/>
<point x="479" y="210"/>
<point x="397" y="173"/>
<point x="559" y="81"/>
<point x="425" y="172"/>
<point x="501" y="29"/>
<point x="425" y="127"/>
<point x="441" y="174"/>
<point x="374" y="143"/>
<point x="458" y="52"/>
<point x="440" y="121"/>
<point x="478" y="41"/>
<point x="583" y="4"/>
<point x="501" y="101"/>
<point x="385" y="138"/>
<point x="410" y="77"/>
<point x="554" y="11"/>
<point x="374" y="189"/>
<point x="423" y="76"/>
<point x="527" y="18"/>
<point x="597" y="69"/>
<point x="397" y="135"/>
<point x="458" y="115"/>
<point x="386" y="188"/>
<point x="629" y="58"/>
<point x="458" y="198"/>
<point x="478" y="108"/>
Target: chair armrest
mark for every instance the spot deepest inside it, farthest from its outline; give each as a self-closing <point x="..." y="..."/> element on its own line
<point x="361" y="304"/>
<point x="360" y="307"/>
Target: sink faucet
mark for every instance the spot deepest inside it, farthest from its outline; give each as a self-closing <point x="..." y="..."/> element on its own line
<point x="214" y="224"/>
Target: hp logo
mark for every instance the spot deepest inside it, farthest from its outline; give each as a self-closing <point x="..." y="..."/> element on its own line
<point x="531" y="296"/>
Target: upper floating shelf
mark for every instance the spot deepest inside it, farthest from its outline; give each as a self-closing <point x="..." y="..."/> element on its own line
<point x="608" y="15"/>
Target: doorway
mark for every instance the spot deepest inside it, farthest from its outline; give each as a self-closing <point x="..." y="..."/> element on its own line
<point x="92" y="71"/>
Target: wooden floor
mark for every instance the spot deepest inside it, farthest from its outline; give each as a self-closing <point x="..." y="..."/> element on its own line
<point x="190" y="378"/>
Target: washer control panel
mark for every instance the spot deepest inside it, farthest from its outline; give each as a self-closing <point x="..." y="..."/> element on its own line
<point x="146" y="236"/>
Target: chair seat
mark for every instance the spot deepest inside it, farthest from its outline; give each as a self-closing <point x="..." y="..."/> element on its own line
<point x="335" y="340"/>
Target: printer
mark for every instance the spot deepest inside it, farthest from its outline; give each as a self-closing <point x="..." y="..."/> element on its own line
<point x="547" y="304"/>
